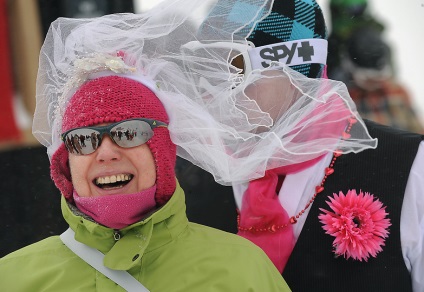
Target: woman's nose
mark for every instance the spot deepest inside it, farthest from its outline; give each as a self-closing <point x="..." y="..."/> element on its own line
<point x="108" y="150"/>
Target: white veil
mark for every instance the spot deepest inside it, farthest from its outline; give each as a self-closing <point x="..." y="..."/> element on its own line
<point x="220" y="120"/>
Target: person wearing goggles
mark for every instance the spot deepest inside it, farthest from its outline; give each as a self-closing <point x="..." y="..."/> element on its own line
<point x="126" y="134"/>
<point x="331" y="217"/>
<point x="107" y="104"/>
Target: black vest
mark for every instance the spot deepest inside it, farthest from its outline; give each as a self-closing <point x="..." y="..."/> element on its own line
<point x="383" y="172"/>
<point x="312" y="266"/>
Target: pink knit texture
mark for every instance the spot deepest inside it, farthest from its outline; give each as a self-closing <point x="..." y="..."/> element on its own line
<point x="113" y="99"/>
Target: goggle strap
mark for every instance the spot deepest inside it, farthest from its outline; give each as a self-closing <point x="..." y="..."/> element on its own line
<point x="292" y="53"/>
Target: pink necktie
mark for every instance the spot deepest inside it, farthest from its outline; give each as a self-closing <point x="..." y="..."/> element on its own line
<point x="262" y="211"/>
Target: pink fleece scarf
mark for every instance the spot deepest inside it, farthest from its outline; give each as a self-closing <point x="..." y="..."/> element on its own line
<point x="117" y="211"/>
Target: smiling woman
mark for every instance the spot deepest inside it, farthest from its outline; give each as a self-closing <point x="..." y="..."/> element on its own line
<point x="128" y="154"/>
<point x="106" y="91"/>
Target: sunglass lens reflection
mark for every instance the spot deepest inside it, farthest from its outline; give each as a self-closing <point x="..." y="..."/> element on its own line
<point x="126" y="134"/>
<point x="83" y="141"/>
<point x="131" y="133"/>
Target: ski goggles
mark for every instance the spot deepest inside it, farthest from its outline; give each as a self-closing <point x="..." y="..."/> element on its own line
<point x="247" y="57"/>
<point x="126" y="134"/>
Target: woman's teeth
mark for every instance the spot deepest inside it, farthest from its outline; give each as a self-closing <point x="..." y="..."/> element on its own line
<point x="123" y="178"/>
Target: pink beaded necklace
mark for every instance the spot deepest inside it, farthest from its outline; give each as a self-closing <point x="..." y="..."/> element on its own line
<point x="318" y="189"/>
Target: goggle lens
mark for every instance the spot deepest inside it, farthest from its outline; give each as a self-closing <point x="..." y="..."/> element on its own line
<point x="126" y="134"/>
<point x="238" y="62"/>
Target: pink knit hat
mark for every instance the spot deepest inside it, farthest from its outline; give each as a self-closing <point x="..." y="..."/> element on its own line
<point x="112" y="99"/>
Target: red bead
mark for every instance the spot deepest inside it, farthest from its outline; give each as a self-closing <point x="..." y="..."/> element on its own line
<point x="337" y="153"/>
<point x="353" y="120"/>
<point x="329" y="170"/>
<point x="293" y="220"/>
<point x="345" y="135"/>
<point x="319" y="189"/>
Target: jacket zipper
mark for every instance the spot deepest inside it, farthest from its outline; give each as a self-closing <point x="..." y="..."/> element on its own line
<point x="117" y="235"/>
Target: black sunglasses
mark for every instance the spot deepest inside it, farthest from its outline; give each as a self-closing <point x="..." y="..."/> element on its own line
<point x="126" y="134"/>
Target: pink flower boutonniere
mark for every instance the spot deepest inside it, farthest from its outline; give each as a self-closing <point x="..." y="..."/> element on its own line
<point x="358" y="223"/>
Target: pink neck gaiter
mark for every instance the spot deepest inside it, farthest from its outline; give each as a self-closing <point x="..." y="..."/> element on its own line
<point x="117" y="211"/>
